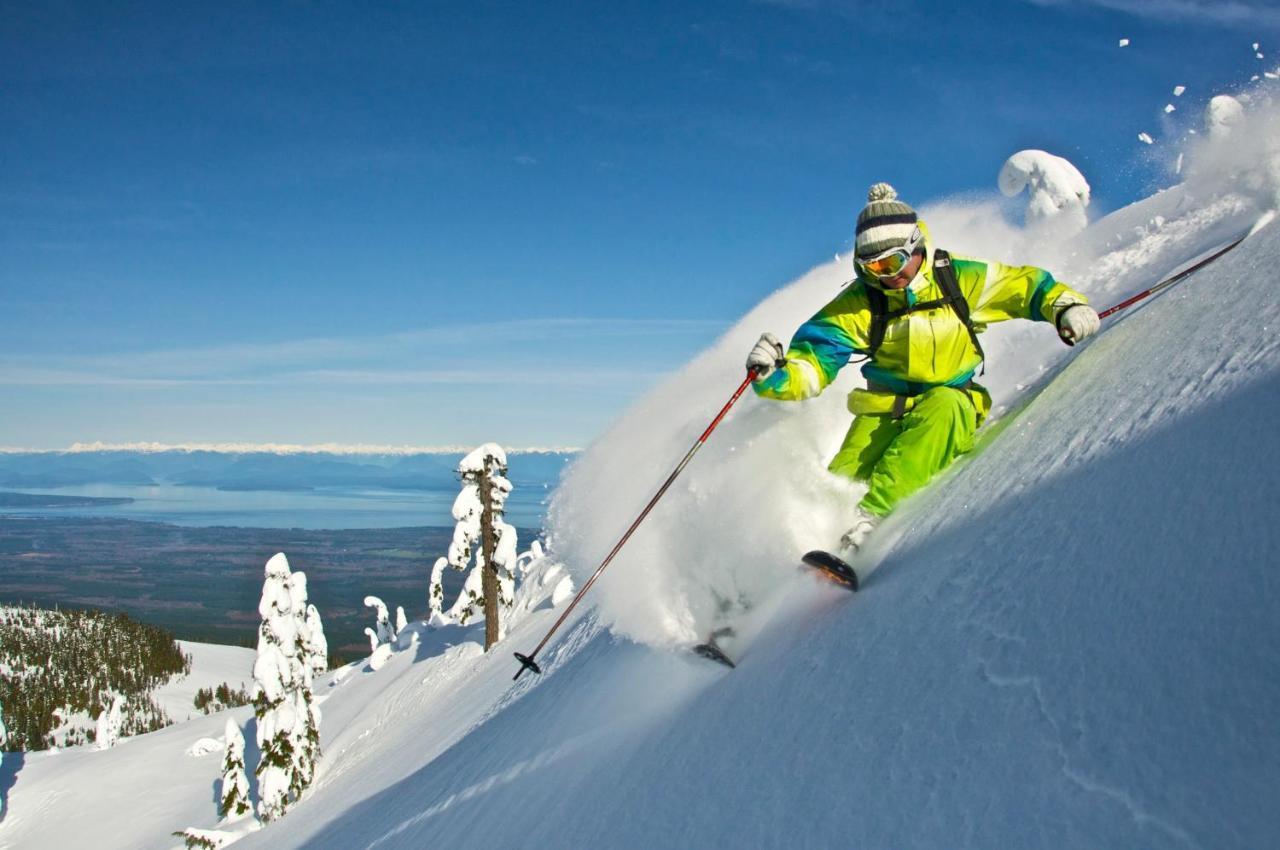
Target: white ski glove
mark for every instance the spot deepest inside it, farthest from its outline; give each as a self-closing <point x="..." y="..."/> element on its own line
<point x="767" y="355"/>
<point x="1077" y="321"/>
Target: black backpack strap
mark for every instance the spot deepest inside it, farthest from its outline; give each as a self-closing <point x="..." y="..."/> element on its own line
<point x="879" y="305"/>
<point x="945" y="276"/>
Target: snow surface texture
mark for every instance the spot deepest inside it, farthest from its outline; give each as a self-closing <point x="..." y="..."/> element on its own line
<point x="1069" y="641"/>
<point x="211" y="665"/>
<point x="1058" y="191"/>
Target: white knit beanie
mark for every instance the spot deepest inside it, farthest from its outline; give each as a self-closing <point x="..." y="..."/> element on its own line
<point x="884" y="223"/>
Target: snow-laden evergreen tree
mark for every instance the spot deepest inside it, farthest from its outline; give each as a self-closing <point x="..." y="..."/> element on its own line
<point x="4" y="737"/>
<point x="525" y="560"/>
<point x="385" y="633"/>
<point x="234" y="802"/>
<point x="488" y="461"/>
<point x="402" y="622"/>
<point x="1057" y="191"/>
<point x="435" y="594"/>
<point x="109" y="723"/>
<point x="288" y="719"/>
<point x="317" y="644"/>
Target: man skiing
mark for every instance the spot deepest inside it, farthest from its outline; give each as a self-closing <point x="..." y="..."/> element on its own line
<point x="915" y="313"/>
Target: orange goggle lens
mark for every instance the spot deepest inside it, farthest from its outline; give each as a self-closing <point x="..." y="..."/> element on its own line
<point x="889" y="265"/>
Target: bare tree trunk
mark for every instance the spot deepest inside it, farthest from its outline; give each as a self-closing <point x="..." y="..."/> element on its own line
<point x="488" y="542"/>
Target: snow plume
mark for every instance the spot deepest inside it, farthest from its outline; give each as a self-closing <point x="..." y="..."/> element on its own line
<point x="728" y="533"/>
<point x="757" y="493"/>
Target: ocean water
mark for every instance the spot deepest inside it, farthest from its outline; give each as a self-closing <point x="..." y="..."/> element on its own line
<point x="310" y="509"/>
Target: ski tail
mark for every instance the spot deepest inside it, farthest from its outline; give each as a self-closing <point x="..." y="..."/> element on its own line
<point x="832" y="567"/>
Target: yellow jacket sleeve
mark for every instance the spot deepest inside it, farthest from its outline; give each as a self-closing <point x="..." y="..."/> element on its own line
<point x="821" y="348"/>
<point x="1014" y="292"/>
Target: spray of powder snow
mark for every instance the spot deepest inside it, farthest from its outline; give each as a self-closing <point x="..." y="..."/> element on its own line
<point x="730" y="530"/>
<point x="728" y="533"/>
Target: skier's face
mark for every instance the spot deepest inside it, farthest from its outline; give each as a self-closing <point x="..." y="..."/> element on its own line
<point x="908" y="273"/>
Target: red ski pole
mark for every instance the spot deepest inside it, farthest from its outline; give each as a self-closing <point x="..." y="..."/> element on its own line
<point x="1169" y="281"/>
<point x="527" y="661"/>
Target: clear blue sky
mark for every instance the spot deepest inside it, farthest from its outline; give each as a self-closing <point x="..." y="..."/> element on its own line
<point x="300" y="222"/>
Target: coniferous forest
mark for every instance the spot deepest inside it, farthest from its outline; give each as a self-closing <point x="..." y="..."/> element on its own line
<point x="60" y="669"/>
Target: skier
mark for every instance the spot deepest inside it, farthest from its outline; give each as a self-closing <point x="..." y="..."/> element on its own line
<point x="915" y="313"/>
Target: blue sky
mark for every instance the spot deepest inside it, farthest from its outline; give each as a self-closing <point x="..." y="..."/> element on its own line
<point x="435" y="223"/>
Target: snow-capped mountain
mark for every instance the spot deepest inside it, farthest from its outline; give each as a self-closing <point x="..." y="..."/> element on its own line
<point x="1068" y="641"/>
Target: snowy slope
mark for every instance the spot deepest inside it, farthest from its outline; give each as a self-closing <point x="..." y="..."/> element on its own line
<point x="1069" y="641"/>
<point x="211" y="665"/>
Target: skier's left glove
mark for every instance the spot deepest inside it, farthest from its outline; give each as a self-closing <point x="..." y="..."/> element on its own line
<point x="767" y="355"/>
<point x="1076" y="322"/>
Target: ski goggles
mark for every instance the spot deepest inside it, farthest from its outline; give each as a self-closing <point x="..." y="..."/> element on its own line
<point x="890" y="264"/>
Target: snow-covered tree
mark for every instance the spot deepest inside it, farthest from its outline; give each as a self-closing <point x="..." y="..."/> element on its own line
<point x="384" y="632"/>
<point x="317" y="644"/>
<point x="1058" y="191"/>
<point x="234" y="801"/>
<point x="1221" y="114"/>
<point x="288" y="719"/>
<point x="485" y="468"/>
<point x="435" y="594"/>
<point x="402" y="622"/>
<point x="525" y="560"/>
<point x="109" y="723"/>
<point x="4" y="737"/>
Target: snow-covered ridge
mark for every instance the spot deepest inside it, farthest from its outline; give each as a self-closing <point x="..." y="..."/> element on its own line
<point x="276" y="448"/>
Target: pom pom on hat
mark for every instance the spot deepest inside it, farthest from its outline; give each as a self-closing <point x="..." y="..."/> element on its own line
<point x="881" y="192"/>
<point x="884" y="223"/>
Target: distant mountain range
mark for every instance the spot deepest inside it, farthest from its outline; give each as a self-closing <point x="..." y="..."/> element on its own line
<point x="262" y="470"/>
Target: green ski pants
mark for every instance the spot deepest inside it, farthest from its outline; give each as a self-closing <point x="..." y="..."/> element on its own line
<point x="897" y="457"/>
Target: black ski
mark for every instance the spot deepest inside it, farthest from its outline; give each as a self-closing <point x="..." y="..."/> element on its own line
<point x="832" y="568"/>
<point x="711" y="652"/>
<point x="711" y="649"/>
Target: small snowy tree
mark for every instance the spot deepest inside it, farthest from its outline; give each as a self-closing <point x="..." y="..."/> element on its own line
<point x="317" y="644"/>
<point x="526" y="560"/>
<point x="402" y="622"/>
<point x="435" y="594"/>
<point x="4" y="737"/>
<point x="1058" y="191"/>
<point x="385" y="633"/>
<point x="234" y="799"/>
<point x="109" y="722"/>
<point x="288" y="719"/>
<point x="1222" y="113"/>
<point x="479" y="510"/>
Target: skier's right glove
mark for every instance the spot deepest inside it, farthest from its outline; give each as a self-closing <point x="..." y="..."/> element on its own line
<point x="767" y="356"/>
<point x="1076" y="322"/>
